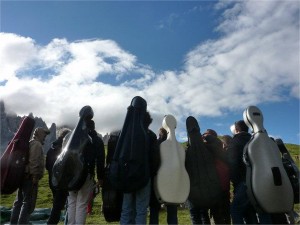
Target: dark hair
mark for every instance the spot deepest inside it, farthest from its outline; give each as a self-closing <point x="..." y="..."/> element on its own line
<point x="163" y="133"/>
<point x="211" y="132"/>
<point x="226" y="139"/>
<point x="90" y="124"/>
<point x="147" y="119"/>
<point x="241" y="126"/>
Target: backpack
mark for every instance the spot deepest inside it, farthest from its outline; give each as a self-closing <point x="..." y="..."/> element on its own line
<point x="15" y="158"/>
<point x="130" y="169"/>
<point x="112" y="198"/>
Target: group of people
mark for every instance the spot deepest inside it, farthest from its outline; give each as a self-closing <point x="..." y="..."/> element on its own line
<point x="227" y="151"/>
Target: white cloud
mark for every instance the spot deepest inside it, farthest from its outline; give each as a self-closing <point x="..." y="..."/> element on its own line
<point x="255" y="60"/>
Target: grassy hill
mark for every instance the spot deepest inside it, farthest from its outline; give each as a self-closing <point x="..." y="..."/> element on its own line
<point x="45" y="198"/>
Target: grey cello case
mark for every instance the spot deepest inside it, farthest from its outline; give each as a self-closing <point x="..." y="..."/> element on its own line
<point x="172" y="183"/>
<point x="268" y="185"/>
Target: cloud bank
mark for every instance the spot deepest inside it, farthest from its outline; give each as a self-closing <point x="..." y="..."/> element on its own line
<point x="254" y="60"/>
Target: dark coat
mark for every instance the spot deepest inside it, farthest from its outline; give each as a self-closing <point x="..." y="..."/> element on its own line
<point x="94" y="155"/>
<point x="235" y="157"/>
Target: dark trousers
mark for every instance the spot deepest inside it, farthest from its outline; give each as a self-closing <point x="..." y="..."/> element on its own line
<point x="59" y="201"/>
<point x="25" y="202"/>
<point x="171" y="214"/>
<point x="198" y="215"/>
<point x="242" y="210"/>
<point x="221" y="211"/>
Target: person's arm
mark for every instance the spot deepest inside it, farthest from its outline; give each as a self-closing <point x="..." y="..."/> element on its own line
<point x="34" y="163"/>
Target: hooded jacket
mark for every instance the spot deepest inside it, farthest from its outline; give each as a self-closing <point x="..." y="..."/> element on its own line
<point x="36" y="161"/>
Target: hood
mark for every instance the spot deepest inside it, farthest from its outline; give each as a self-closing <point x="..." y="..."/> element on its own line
<point x="40" y="134"/>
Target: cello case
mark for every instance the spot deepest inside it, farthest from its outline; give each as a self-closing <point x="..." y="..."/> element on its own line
<point x="15" y="157"/>
<point x="129" y="169"/>
<point x="172" y="183"/>
<point x="112" y="198"/>
<point x="291" y="169"/>
<point x="206" y="188"/>
<point x="268" y="185"/>
<point x="69" y="171"/>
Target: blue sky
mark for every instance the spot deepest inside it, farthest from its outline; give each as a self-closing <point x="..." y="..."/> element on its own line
<point x="207" y="59"/>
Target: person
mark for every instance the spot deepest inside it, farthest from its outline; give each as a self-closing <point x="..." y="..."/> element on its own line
<point x="93" y="156"/>
<point x="241" y="209"/>
<point x="220" y="212"/>
<point x="226" y="140"/>
<point x="93" y="195"/>
<point x="135" y="204"/>
<point x="27" y="193"/>
<point x="59" y="196"/>
<point x="155" y="206"/>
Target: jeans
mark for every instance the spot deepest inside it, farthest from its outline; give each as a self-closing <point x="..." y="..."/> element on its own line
<point x="198" y="215"/>
<point x="221" y="211"/>
<point x="135" y="204"/>
<point x="241" y="209"/>
<point x="59" y="201"/>
<point x="78" y="201"/>
<point x="25" y="202"/>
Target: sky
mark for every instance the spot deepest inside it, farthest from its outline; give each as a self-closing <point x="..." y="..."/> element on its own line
<point x="207" y="59"/>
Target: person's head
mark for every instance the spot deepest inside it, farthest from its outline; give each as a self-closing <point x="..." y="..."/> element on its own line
<point x="147" y="119"/>
<point x="63" y="133"/>
<point x="40" y="134"/>
<point x="90" y="124"/>
<point x="210" y="132"/>
<point x="226" y="140"/>
<point x="240" y="126"/>
<point x="162" y="133"/>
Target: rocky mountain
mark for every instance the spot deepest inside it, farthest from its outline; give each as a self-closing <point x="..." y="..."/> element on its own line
<point x="9" y="124"/>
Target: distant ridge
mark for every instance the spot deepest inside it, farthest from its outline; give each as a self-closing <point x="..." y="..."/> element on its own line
<point x="10" y="124"/>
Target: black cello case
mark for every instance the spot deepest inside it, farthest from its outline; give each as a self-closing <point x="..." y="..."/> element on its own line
<point x="205" y="188"/>
<point x="129" y="169"/>
<point x="268" y="185"/>
<point x="291" y="169"/>
<point x="112" y="198"/>
<point x="69" y="170"/>
<point x="15" y="157"/>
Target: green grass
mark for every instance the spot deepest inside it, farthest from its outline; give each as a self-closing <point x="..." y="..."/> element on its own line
<point x="45" y="199"/>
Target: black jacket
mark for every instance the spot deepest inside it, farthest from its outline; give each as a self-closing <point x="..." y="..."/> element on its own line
<point x="235" y="157"/>
<point x="53" y="153"/>
<point x="94" y="155"/>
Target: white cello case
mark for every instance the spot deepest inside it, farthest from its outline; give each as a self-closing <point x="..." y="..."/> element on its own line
<point x="172" y="183"/>
<point x="268" y="185"/>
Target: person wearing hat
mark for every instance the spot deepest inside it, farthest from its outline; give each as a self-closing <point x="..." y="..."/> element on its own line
<point x="27" y="193"/>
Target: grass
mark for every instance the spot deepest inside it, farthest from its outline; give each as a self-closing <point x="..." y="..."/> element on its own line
<point x="45" y="199"/>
